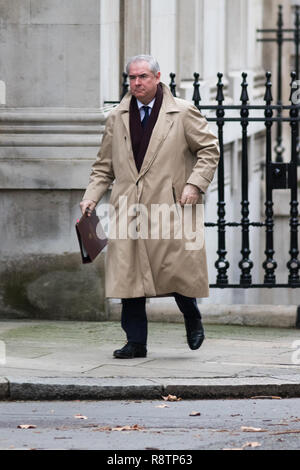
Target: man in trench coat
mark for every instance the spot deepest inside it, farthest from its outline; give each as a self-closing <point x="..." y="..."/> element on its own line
<point x="160" y="155"/>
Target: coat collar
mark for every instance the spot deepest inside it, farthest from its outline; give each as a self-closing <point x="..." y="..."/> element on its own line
<point x="163" y="125"/>
<point x="169" y="102"/>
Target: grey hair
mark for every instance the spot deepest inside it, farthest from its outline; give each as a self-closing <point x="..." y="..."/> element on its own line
<point x="153" y="64"/>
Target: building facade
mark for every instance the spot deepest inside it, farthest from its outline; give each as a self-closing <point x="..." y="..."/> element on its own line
<point x="60" y="62"/>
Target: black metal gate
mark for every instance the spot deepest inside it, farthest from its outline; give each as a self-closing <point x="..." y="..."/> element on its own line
<point x="279" y="175"/>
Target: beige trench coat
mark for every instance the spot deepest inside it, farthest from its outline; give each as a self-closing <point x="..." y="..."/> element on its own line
<point x="182" y="150"/>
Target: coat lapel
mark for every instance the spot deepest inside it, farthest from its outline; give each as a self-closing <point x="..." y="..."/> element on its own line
<point x="161" y="130"/>
<point x="162" y="127"/>
<point x="124" y="109"/>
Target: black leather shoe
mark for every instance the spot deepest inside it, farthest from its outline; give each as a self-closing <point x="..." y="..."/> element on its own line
<point x="131" y="350"/>
<point x="194" y="333"/>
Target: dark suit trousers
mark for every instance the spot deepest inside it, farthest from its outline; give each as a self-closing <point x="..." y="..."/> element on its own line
<point x="134" y="317"/>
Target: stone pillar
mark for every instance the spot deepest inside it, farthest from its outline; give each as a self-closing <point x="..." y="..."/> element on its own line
<point x="163" y="36"/>
<point x="109" y="50"/>
<point x="201" y="44"/>
<point x="136" y="28"/>
<point x="190" y="45"/>
<point x="213" y="38"/>
<point x="59" y="61"/>
<point x="236" y="38"/>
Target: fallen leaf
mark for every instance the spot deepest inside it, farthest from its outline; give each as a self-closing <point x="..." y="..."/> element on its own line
<point x="265" y="397"/>
<point x="171" y="398"/>
<point x="296" y="431"/>
<point x="134" y="427"/>
<point x="278" y="424"/>
<point x="251" y="429"/>
<point x="195" y="413"/>
<point x="162" y="406"/>
<point x="251" y="444"/>
<point x="26" y="426"/>
<point x="79" y="416"/>
<point x="247" y="444"/>
<point x="103" y="428"/>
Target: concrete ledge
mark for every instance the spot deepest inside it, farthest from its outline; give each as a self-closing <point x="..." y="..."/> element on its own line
<point x="82" y="388"/>
<point x="131" y="388"/>
<point x="276" y="316"/>
<point x="232" y="388"/>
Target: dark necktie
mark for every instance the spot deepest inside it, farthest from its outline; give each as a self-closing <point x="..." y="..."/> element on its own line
<point x="146" y="117"/>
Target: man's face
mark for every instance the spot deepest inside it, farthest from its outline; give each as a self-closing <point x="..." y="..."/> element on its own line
<point x="143" y="82"/>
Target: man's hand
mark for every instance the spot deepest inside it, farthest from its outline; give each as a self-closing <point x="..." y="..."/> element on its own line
<point x="190" y="194"/>
<point x="87" y="206"/>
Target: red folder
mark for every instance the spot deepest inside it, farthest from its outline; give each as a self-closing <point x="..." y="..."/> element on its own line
<point x="91" y="242"/>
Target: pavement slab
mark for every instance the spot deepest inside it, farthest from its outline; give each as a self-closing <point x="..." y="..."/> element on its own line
<point x="73" y="359"/>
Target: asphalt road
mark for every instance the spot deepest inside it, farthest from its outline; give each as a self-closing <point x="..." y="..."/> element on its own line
<point x="133" y="425"/>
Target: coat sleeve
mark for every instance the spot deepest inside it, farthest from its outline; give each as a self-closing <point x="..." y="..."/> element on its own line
<point x="102" y="174"/>
<point x="204" y="145"/>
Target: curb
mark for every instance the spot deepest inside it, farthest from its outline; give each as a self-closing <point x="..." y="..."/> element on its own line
<point x="127" y="388"/>
<point x="275" y="316"/>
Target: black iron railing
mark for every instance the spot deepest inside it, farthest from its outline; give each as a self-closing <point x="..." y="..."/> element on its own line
<point x="279" y="39"/>
<point x="279" y="175"/>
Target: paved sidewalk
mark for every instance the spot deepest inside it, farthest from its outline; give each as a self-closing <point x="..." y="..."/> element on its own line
<point x="73" y="360"/>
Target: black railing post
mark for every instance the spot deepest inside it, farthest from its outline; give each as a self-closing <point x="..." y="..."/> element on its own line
<point x="196" y="95"/>
<point x="279" y="149"/>
<point x="269" y="264"/>
<point x="173" y="84"/>
<point x="221" y="264"/>
<point x="293" y="264"/>
<point x="125" y="85"/>
<point x="245" y="264"/>
<point x="296" y="41"/>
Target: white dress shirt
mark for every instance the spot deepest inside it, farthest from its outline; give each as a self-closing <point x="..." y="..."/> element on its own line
<point x="141" y="110"/>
